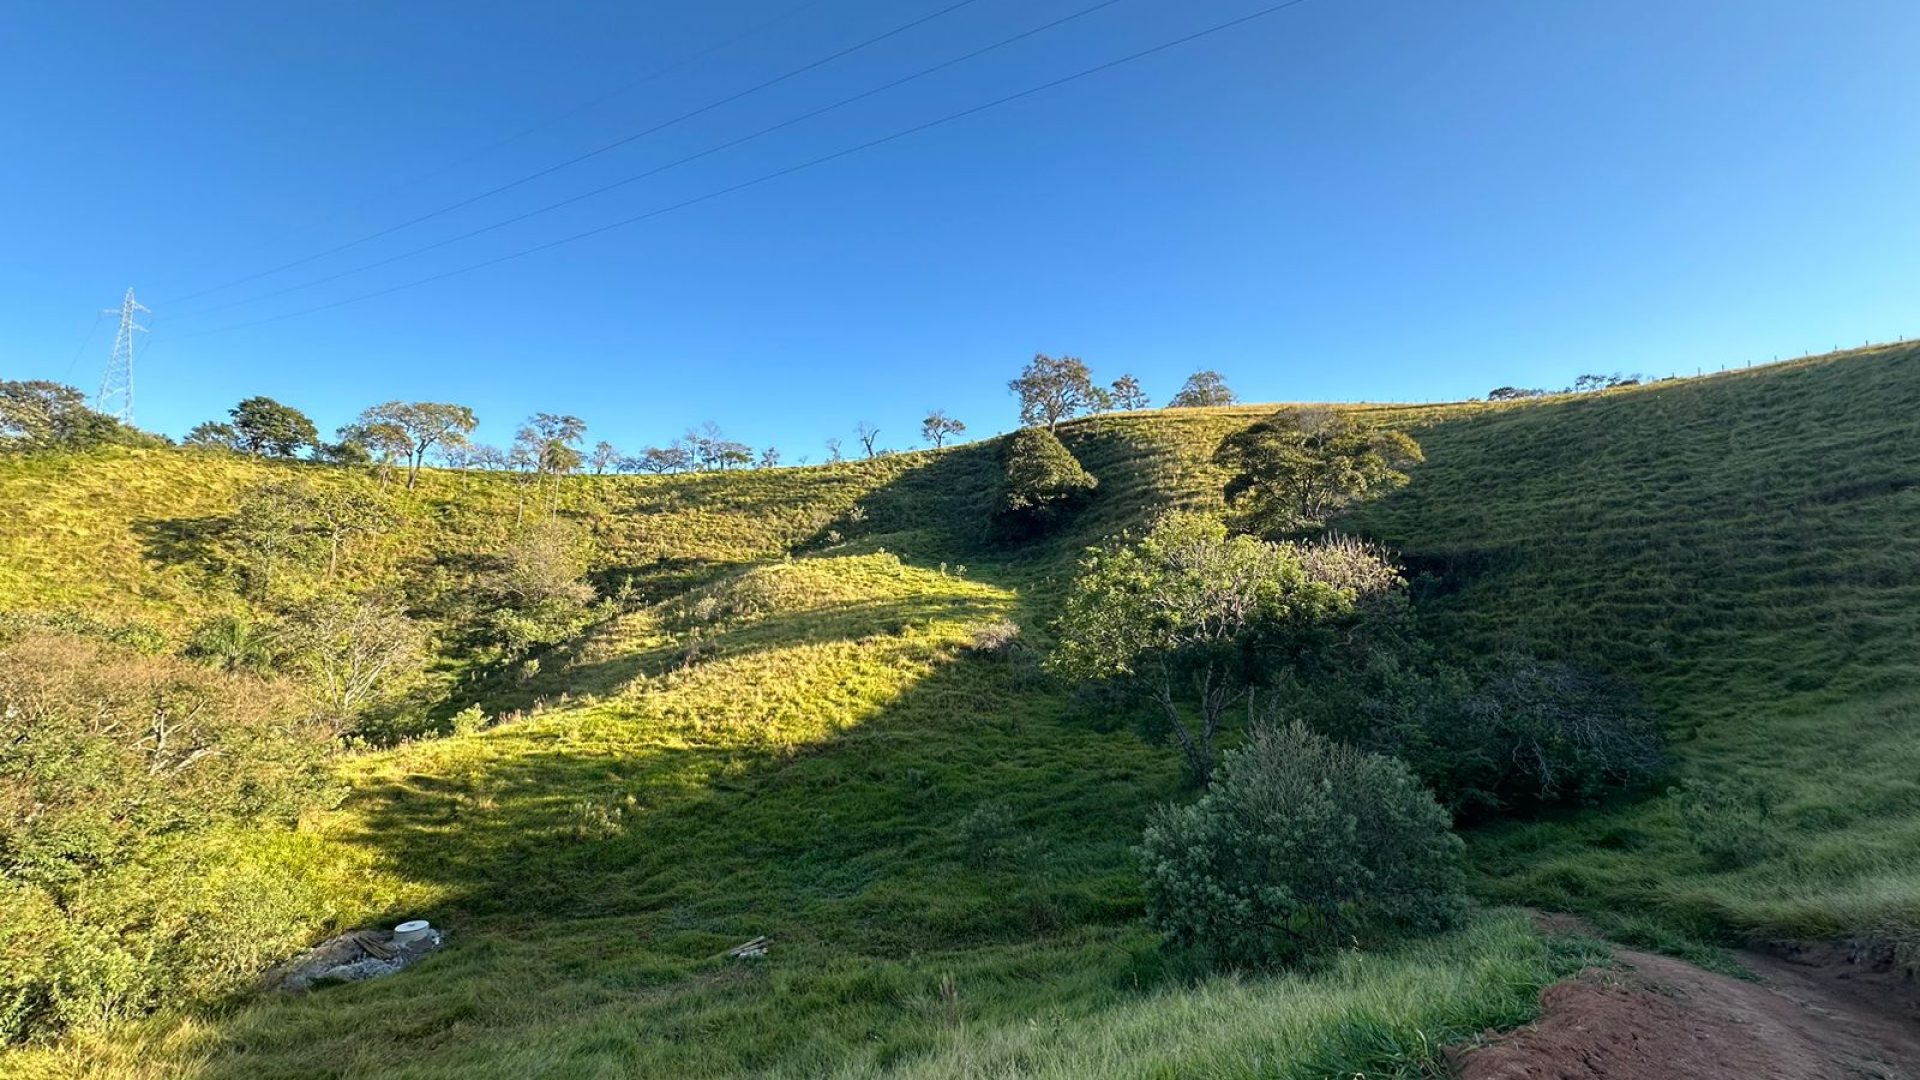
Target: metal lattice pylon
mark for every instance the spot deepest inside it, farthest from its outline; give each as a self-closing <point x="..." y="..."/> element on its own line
<point x="116" y="388"/>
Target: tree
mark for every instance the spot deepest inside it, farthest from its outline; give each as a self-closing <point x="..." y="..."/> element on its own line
<point x="1301" y="847"/>
<point x="271" y="532"/>
<point x="604" y="457"/>
<point x="1054" y="389"/>
<point x="728" y="454"/>
<point x="489" y="458"/>
<point x="866" y="433"/>
<point x="263" y="426"/>
<point x="1513" y="393"/>
<point x="40" y="415"/>
<point x="535" y="592"/>
<point x="770" y="458"/>
<point x="1127" y="393"/>
<point x="663" y="459"/>
<point x="379" y="442"/>
<point x="833" y="449"/>
<point x="212" y="435"/>
<point x="344" y="452"/>
<point x="415" y="427"/>
<point x="1587" y="384"/>
<point x="938" y="427"/>
<point x="343" y="511"/>
<point x="1191" y="616"/>
<point x="1043" y="478"/>
<point x="1296" y="469"/>
<point x="1203" y="389"/>
<point x="354" y="651"/>
<point x="547" y="441"/>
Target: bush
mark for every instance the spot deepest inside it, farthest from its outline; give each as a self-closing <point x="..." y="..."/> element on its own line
<point x="1043" y="480"/>
<point x="1538" y="732"/>
<point x="112" y="765"/>
<point x="1729" y="822"/>
<point x="1302" y="845"/>
<point x="1516" y="734"/>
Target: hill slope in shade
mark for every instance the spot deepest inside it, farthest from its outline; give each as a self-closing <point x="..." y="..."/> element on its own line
<point x="857" y="763"/>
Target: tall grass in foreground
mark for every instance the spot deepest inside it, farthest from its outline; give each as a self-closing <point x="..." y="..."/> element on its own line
<point x="1379" y="1015"/>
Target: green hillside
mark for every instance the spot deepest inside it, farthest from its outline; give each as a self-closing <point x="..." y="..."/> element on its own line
<point x="820" y="717"/>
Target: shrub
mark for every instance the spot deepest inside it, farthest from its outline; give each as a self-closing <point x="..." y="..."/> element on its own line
<point x="232" y="643"/>
<point x="1537" y="732"/>
<point x="1729" y="822"/>
<point x="1517" y="733"/>
<point x="1191" y="616"/>
<point x="114" y="765"/>
<point x="1297" y="468"/>
<point x="988" y="836"/>
<point x="354" y="652"/>
<point x="1043" y="480"/>
<point x="1302" y="845"/>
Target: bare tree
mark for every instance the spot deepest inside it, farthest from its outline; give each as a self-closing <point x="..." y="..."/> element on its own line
<point x="866" y="433"/>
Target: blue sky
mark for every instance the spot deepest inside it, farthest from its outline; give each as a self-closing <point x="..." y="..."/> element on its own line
<point x="1350" y="199"/>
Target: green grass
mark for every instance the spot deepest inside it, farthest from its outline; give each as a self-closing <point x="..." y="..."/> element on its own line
<point x="795" y="735"/>
<point x="1747" y="548"/>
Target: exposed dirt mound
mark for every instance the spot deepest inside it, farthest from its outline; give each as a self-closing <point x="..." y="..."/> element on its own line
<point x="1813" y="1016"/>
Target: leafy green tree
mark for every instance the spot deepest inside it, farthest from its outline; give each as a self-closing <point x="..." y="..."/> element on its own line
<point x="341" y="512"/>
<point x="272" y="535"/>
<point x="263" y="426"/>
<point x="938" y="427"/>
<point x="343" y="452"/>
<point x="1194" y="619"/>
<point x="1043" y="478"/>
<point x="354" y="652"/>
<point x="675" y="457"/>
<point x="1302" y="846"/>
<point x="1202" y="390"/>
<point x="411" y="429"/>
<point x="1127" y="393"/>
<point x="1296" y="469"/>
<point x="550" y="439"/>
<point x="535" y="592"/>
<point x="1052" y="389"/>
<point x="40" y="415"/>
<point x="212" y="435"/>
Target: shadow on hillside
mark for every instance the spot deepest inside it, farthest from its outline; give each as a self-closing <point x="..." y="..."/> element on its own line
<point x="971" y="822"/>
<point x="186" y="541"/>
<point x="583" y="671"/>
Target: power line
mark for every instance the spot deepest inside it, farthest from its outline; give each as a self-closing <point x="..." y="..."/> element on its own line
<point x="606" y="148"/>
<point x="84" y="342"/>
<point x="1217" y="28"/>
<point x="656" y="171"/>
<point x="619" y="91"/>
<point x="623" y="89"/>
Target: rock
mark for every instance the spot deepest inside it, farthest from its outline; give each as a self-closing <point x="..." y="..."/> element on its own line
<point x="362" y="954"/>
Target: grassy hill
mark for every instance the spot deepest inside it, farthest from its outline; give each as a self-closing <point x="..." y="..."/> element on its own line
<point x="815" y="723"/>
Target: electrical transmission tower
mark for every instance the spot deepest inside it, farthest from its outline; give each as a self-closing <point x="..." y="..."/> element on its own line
<point x="116" y="388"/>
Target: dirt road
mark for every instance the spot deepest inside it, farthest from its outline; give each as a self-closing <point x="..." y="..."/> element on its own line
<point x="1816" y="1013"/>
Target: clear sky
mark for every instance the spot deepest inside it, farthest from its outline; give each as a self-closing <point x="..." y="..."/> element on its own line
<point x="1348" y="199"/>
